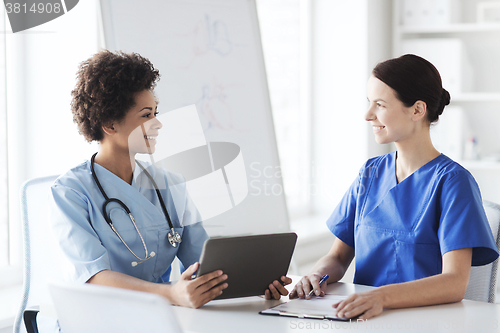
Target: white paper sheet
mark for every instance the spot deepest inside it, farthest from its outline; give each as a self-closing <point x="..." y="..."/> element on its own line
<point x="316" y="307"/>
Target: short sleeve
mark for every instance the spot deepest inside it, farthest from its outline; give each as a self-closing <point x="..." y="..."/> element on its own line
<point x="193" y="238"/>
<point x="463" y="222"/>
<point x="77" y="238"/>
<point x="341" y="222"/>
<point x="194" y="235"/>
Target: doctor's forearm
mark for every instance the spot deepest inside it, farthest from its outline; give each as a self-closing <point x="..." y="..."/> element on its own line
<point x="447" y="287"/>
<point x="336" y="262"/>
<point x="120" y="280"/>
<point x="438" y="289"/>
<point x="186" y="292"/>
<point x="330" y="265"/>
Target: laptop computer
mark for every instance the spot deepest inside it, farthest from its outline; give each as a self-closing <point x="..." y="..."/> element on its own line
<point x="99" y="309"/>
<point x="250" y="262"/>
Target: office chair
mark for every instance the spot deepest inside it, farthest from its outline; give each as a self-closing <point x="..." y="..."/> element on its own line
<point x="42" y="256"/>
<point x="483" y="279"/>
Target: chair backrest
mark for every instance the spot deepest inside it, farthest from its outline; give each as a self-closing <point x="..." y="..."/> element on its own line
<point x="42" y="255"/>
<point x="483" y="279"/>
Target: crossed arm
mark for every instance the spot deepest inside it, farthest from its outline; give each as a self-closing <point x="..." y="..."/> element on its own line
<point x="447" y="287"/>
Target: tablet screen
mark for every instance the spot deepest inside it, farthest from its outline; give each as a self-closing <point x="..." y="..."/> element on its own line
<point x="250" y="262"/>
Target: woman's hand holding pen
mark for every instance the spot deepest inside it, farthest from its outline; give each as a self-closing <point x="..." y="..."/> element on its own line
<point x="196" y="292"/>
<point x="310" y="283"/>
<point x="277" y="288"/>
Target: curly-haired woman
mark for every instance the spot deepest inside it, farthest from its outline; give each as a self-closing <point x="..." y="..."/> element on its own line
<point x="113" y="220"/>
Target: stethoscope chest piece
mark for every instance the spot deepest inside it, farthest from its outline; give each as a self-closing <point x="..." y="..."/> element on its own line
<point x="174" y="238"/>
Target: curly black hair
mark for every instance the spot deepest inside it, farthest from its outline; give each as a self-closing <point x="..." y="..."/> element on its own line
<point x="105" y="89"/>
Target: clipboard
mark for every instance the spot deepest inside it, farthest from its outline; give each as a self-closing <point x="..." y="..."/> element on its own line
<point x="314" y="308"/>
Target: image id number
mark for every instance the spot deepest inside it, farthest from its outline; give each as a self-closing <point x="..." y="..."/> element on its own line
<point x="36" y="8"/>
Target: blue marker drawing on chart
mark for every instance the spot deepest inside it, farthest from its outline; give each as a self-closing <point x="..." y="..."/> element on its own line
<point x="214" y="109"/>
<point x="209" y="36"/>
<point x="218" y="36"/>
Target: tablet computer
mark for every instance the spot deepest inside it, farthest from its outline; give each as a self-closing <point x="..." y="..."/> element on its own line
<point x="250" y="262"/>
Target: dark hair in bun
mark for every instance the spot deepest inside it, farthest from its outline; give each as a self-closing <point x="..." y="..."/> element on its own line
<point x="445" y="100"/>
<point x="414" y="79"/>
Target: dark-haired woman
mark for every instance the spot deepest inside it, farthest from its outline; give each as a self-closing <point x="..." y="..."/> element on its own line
<point x="413" y="218"/>
<point x="111" y="222"/>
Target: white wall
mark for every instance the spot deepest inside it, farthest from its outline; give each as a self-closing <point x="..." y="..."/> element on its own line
<point x="6" y="330"/>
<point x="349" y="39"/>
<point x="379" y="25"/>
<point x="42" y="63"/>
<point x="339" y="65"/>
<point x="42" y="138"/>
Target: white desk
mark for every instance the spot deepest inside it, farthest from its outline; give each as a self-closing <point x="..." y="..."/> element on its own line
<point x="242" y="315"/>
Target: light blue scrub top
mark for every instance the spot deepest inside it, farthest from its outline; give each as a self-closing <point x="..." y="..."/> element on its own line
<point x="401" y="231"/>
<point x="88" y="241"/>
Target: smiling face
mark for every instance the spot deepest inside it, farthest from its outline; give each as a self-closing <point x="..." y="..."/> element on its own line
<point x="391" y="120"/>
<point x="137" y="132"/>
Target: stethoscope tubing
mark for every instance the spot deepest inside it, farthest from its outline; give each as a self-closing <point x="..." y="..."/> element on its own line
<point x="108" y="200"/>
<point x="160" y="198"/>
<point x="173" y="237"/>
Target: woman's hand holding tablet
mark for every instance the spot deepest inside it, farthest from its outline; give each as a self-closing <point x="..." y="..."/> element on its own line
<point x="196" y="292"/>
<point x="277" y="288"/>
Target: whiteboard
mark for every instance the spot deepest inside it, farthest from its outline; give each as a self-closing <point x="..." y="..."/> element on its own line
<point x="209" y="53"/>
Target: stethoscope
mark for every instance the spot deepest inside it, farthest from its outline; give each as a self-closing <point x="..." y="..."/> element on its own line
<point x="173" y="236"/>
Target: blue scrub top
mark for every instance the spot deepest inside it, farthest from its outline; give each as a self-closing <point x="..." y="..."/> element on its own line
<point x="401" y="231"/>
<point x="88" y="241"/>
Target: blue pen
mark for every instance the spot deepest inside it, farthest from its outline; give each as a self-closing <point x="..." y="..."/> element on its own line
<point x="323" y="279"/>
